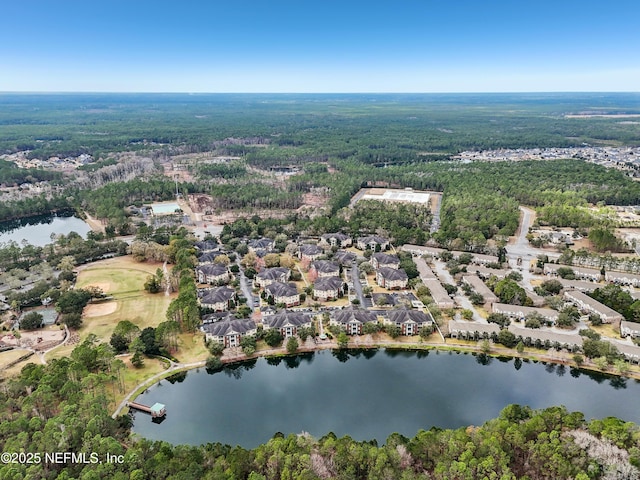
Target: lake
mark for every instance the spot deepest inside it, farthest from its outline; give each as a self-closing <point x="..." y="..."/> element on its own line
<point x="369" y="395"/>
<point x="37" y="230"/>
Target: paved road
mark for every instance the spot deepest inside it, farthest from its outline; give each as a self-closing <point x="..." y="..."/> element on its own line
<point x="245" y="286"/>
<point x="357" y="286"/>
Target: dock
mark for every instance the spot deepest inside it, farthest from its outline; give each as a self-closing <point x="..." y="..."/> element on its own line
<point x="157" y="410"/>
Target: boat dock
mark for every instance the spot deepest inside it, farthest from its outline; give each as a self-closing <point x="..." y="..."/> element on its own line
<point x="157" y="410"/>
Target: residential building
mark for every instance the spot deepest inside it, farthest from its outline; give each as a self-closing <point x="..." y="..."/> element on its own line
<point x="424" y="270"/>
<point x="581" y="273"/>
<point x="270" y="275"/>
<point x="409" y="321"/>
<point x="206" y="246"/>
<point x="622" y="278"/>
<point x="344" y="257"/>
<point x="217" y="299"/>
<point x="337" y="240"/>
<point x="579" y="285"/>
<point x="328" y="288"/>
<point x="208" y="257"/>
<point x="520" y="312"/>
<point x="285" y="293"/>
<point x="440" y="296"/>
<point x="585" y="302"/>
<point x="212" y="273"/>
<point x="372" y="242"/>
<point x="324" y="268"/>
<point x="419" y="251"/>
<point x="629" y="329"/>
<point x="391" y="278"/>
<point x="352" y="320"/>
<point x="481" y="288"/>
<point x="229" y="332"/>
<point x="310" y="252"/>
<point x="570" y="340"/>
<point x="287" y="322"/>
<point x="486" y="272"/>
<point x="472" y="330"/>
<point x="261" y="246"/>
<point x="380" y="259"/>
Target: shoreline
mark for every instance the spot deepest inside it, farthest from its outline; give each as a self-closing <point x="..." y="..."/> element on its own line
<point x="560" y="358"/>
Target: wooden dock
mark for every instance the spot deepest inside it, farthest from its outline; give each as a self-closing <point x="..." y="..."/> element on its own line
<point x="157" y="410"/>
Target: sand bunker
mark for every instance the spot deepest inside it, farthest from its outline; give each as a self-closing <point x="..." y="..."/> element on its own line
<point x="99" y="309"/>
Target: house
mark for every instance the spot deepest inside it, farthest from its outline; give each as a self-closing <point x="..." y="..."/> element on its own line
<point x="352" y="320"/>
<point x="310" y="252"/>
<point x="285" y="293"/>
<point x="212" y="273"/>
<point x="409" y="321"/>
<point x="261" y="246"/>
<point x="424" y="270"/>
<point x="581" y="273"/>
<point x="372" y="242"/>
<point x="578" y="285"/>
<point x="477" y="258"/>
<point x="629" y="329"/>
<point x="270" y="275"/>
<point x="218" y="299"/>
<point x="206" y="246"/>
<point x="336" y="240"/>
<point x="344" y="257"/>
<point x="440" y="296"/>
<point x="520" y="312"/>
<point x="287" y="322"/>
<point x="570" y="340"/>
<point x="486" y="272"/>
<point x="419" y="251"/>
<point x="391" y="278"/>
<point x="383" y="260"/>
<point x="585" y="302"/>
<point x="622" y="278"/>
<point x="630" y="352"/>
<point x="328" y="288"/>
<point x="481" y="288"/>
<point x="229" y="332"/>
<point x="324" y="268"/>
<point x="208" y="257"/>
<point x="472" y="330"/>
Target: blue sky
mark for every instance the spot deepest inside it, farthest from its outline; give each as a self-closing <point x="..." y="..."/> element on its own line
<point x="320" y="46"/>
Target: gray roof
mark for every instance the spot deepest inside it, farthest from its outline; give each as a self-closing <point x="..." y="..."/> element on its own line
<point x="543" y="335"/>
<point x="279" y="289"/>
<point x="286" y="318"/>
<point x="207" y="245"/>
<point x="351" y="315"/>
<point x="463" y="326"/>
<point x="325" y="266"/>
<point x="213" y="269"/>
<point x="328" y="283"/>
<point x="632" y="326"/>
<point x="392" y="274"/>
<point x="218" y="295"/>
<point x="373" y="239"/>
<point x="228" y="327"/>
<point x="273" y="273"/>
<point x="480" y="287"/>
<point x="310" y="249"/>
<point x="385" y="259"/>
<point x="261" y="243"/>
<point x="408" y="316"/>
<point x="338" y="236"/>
<point x="209" y="257"/>
<point x="344" y="257"/>
<point x="217" y="317"/>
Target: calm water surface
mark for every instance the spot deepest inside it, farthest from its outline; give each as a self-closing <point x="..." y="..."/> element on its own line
<point x="369" y="396"/>
<point x="37" y="230"/>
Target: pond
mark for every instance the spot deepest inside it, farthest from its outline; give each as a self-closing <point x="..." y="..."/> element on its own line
<point x="38" y="230"/>
<point x="369" y="395"/>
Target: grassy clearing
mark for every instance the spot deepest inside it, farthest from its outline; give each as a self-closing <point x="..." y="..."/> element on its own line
<point x="11" y="355"/>
<point x="123" y="279"/>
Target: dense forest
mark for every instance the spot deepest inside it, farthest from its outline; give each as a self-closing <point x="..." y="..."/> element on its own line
<point x="61" y="407"/>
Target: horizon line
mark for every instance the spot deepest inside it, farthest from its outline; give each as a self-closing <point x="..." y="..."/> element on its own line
<point x="141" y="92"/>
